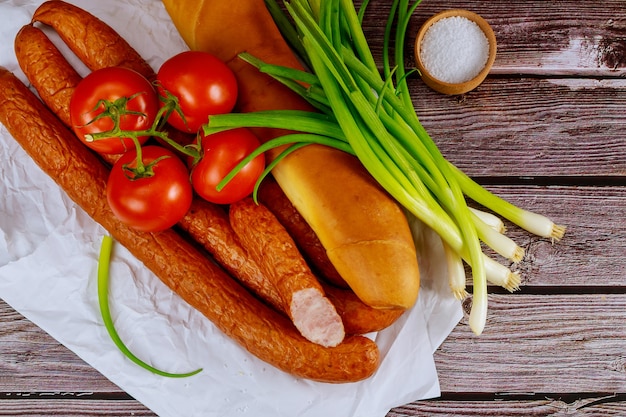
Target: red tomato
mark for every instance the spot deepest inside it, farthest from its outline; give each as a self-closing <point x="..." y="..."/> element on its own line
<point x="111" y="84"/>
<point x="221" y="153"/>
<point x="203" y="84"/>
<point x="154" y="203"/>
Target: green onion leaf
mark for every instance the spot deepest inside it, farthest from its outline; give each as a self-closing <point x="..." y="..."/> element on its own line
<point x="103" y="300"/>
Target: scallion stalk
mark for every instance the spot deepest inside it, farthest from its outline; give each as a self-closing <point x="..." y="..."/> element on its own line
<point x="500" y="275"/>
<point x="532" y="222"/>
<point x="456" y="272"/>
<point x="103" y="300"/>
<point x="286" y="29"/>
<point x="490" y="219"/>
<point x="308" y="122"/>
<point x="502" y="244"/>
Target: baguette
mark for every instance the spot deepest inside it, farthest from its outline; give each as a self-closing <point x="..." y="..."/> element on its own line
<point x="197" y="279"/>
<point x="363" y="230"/>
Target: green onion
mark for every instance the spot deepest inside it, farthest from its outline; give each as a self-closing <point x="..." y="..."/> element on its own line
<point x="532" y="222"/>
<point x="287" y="30"/>
<point x="500" y="275"/>
<point x="456" y="272"/>
<point x="502" y="244"/>
<point x="369" y="113"/>
<point x="103" y="300"/>
<point x="490" y="219"/>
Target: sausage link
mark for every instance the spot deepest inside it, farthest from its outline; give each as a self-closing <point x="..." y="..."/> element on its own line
<point x="269" y="244"/>
<point x="358" y="317"/>
<point x="47" y="70"/>
<point x="208" y="224"/>
<point x="93" y="41"/>
<point x="197" y="279"/>
<point x="49" y="73"/>
<point x="273" y="197"/>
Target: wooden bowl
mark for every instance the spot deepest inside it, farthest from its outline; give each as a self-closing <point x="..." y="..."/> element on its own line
<point x="455" y="88"/>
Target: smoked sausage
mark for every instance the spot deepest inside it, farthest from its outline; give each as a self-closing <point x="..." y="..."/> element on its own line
<point x="268" y="243"/>
<point x="87" y="36"/>
<point x="273" y="197"/>
<point x="46" y="68"/>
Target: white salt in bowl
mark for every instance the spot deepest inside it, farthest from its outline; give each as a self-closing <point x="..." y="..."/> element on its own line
<point x="454" y="51"/>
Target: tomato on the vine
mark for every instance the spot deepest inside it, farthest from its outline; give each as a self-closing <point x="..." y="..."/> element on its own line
<point x="203" y="85"/>
<point x="221" y="153"/>
<point x="152" y="203"/>
<point x="112" y="84"/>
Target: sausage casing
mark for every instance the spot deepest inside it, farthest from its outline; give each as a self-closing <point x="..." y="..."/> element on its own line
<point x="93" y="41"/>
<point x="268" y="243"/>
<point x="47" y="70"/>
<point x="273" y="197"/>
<point x="208" y="225"/>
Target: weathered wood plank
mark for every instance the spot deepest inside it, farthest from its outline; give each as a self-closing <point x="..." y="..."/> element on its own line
<point x="70" y="407"/>
<point x="533" y="127"/>
<point x="540" y="343"/>
<point x="529" y="127"/>
<point x="31" y="360"/>
<point x="591" y="253"/>
<point x="565" y="37"/>
<point x="533" y="344"/>
<point x="507" y="408"/>
<point x="38" y="406"/>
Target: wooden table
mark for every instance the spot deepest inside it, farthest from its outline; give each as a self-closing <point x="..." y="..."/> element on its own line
<point x="546" y="131"/>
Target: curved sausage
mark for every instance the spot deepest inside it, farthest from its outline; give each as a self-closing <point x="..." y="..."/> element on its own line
<point x="48" y="71"/>
<point x="208" y="224"/>
<point x="273" y="197"/>
<point x="271" y="247"/>
<point x="87" y="36"/>
<point x="358" y="317"/>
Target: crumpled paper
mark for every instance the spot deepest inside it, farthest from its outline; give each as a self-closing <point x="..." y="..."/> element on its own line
<point x="48" y="260"/>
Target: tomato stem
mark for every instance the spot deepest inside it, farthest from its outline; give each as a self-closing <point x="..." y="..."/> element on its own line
<point x="116" y="109"/>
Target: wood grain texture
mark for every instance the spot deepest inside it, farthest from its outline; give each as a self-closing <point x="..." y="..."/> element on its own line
<point x="503" y="407"/>
<point x="534" y="37"/>
<point x="591" y="253"/>
<point x="537" y="343"/>
<point x="33" y="361"/>
<point x="528" y="127"/>
<point x="71" y="405"/>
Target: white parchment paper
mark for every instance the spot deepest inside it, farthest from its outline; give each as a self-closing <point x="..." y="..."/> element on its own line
<point x="48" y="260"/>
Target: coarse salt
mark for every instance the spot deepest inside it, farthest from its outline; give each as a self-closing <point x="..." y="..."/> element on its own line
<point x="454" y="49"/>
